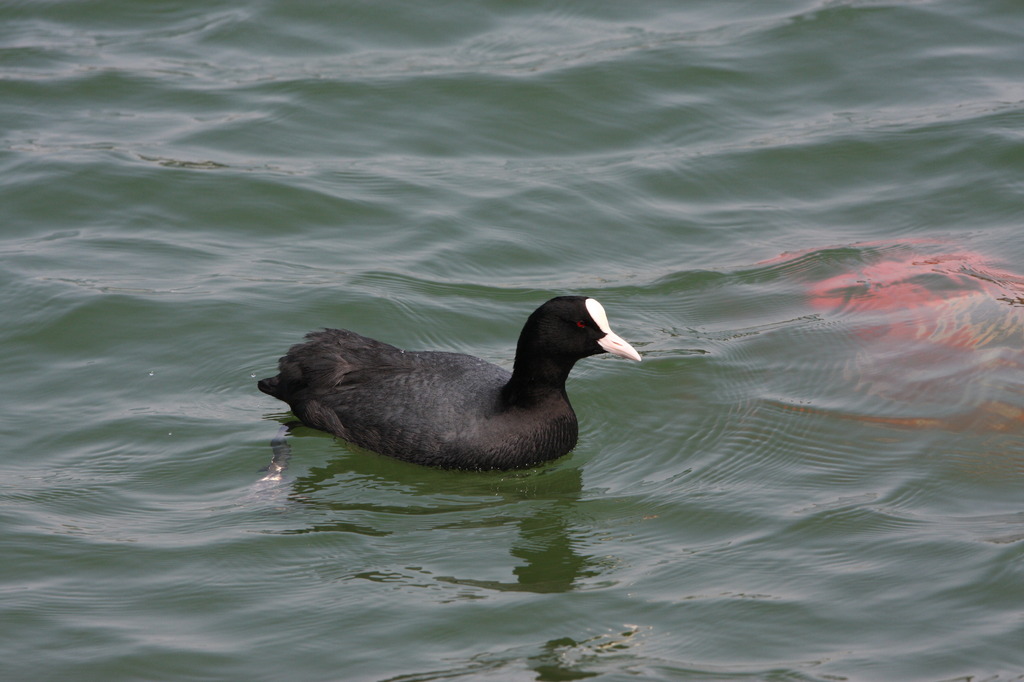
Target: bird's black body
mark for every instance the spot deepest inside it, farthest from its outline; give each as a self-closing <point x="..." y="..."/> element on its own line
<point x="447" y="409"/>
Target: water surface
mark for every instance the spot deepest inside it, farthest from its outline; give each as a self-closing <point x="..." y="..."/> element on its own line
<point x="806" y="216"/>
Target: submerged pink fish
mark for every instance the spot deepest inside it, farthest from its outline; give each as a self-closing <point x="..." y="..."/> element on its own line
<point x="940" y="333"/>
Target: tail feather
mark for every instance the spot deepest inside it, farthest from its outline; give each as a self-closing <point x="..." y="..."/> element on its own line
<point x="269" y="385"/>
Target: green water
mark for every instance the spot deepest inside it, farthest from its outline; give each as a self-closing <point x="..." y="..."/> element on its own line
<point x="805" y="215"/>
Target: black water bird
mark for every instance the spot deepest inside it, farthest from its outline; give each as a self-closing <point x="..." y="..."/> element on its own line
<point x="448" y="409"/>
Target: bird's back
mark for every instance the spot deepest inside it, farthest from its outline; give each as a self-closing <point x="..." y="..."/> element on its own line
<point x="434" y="408"/>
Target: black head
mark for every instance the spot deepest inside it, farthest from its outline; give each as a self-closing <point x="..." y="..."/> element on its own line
<point x="571" y="327"/>
<point x="555" y="336"/>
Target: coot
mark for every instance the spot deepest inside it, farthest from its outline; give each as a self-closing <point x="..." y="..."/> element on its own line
<point x="448" y="409"/>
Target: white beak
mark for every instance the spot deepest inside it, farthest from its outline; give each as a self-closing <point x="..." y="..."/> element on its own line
<point x="614" y="344"/>
<point x="611" y="341"/>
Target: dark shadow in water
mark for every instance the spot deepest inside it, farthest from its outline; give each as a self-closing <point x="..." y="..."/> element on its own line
<point x="546" y="549"/>
<point x="549" y="561"/>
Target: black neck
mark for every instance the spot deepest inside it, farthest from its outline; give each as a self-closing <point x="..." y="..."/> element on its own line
<point x="537" y="379"/>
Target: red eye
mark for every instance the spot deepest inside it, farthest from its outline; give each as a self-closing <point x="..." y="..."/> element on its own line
<point x="581" y="324"/>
